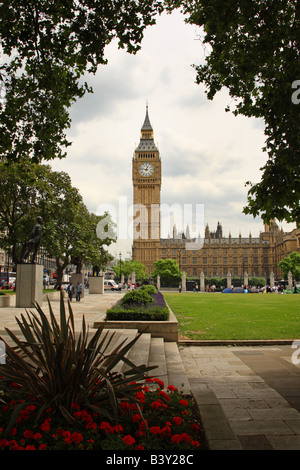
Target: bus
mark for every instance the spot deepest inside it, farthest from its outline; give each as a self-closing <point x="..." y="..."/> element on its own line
<point x="7" y="279"/>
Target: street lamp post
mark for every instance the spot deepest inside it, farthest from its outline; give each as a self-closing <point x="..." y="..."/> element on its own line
<point x="120" y="254"/>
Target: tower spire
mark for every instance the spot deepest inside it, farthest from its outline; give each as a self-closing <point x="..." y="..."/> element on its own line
<point x="147" y="137"/>
<point x="147" y="125"/>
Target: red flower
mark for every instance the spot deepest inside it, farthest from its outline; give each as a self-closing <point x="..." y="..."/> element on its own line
<point x="31" y="407"/>
<point x="195" y="443"/>
<point x="133" y="407"/>
<point x="45" y="426"/>
<point x="183" y="403"/>
<point x="139" y="447"/>
<point x="177" y="420"/>
<point x="158" y="404"/>
<point x="124" y="405"/>
<point x="129" y="440"/>
<point x="135" y="418"/>
<point x="140" y="396"/>
<point x="155" y="430"/>
<point x="42" y="447"/>
<point x="166" y="431"/>
<point x="3" y="443"/>
<point x="76" y="437"/>
<point x="91" y="426"/>
<point x="195" y="427"/>
<point x="28" y="434"/>
<point x="159" y="383"/>
<point x="118" y="428"/>
<point x="172" y="388"/>
<point x="163" y="394"/>
<point x="106" y="427"/>
<point x="186" y="437"/>
<point x="142" y="425"/>
<point x="30" y="448"/>
<point x="176" y="438"/>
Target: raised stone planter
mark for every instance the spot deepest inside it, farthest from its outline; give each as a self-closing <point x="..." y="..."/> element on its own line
<point x="96" y="285"/>
<point x="7" y="300"/>
<point x="55" y="295"/>
<point x="168" y="330"/>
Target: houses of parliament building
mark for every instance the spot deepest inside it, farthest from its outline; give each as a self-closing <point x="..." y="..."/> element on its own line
<point x="217" y="255"/>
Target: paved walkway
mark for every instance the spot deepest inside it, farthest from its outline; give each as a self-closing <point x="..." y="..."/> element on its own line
<point x="93" y="307"/>
<point x="249" y="397"/>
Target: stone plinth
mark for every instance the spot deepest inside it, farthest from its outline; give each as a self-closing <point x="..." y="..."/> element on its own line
<point x="96" y="285"/>
<point x="202" y="282"/>
<point x="29" y="285"/>
<point x="183" y="281"/>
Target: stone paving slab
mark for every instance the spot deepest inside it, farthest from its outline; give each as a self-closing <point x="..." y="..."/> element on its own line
<point x="242" y="394"/>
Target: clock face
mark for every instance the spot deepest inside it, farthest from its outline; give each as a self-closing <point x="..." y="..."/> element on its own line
<point x="146" y="169"/>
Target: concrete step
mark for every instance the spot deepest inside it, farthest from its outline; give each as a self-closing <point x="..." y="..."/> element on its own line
<point x="157" y="358"/>
<point x="113" y="338"/>
<point x="139" y="353"/>
<point x="176" y="373"/>
<point x="125" y="338"/>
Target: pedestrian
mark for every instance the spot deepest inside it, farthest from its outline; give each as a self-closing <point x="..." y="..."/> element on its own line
<point x="70" y="290"/>
<point x="78" y="291"/>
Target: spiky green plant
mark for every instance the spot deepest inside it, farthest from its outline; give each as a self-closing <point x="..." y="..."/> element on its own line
<point x="54" y="366"/>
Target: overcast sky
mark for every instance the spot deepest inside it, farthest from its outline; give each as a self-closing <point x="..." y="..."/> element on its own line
<point x="207" y="154"/>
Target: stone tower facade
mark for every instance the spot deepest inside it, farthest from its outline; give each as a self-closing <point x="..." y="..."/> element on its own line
<point x="146" y="178"/>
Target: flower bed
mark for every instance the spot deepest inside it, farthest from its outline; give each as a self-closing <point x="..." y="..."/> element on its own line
<point x="64" y="390"/>
<point x="145" y="304"/>
<point x="154" y="420"/>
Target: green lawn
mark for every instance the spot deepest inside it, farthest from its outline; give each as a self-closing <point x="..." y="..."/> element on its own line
<point x="236" y="316"/>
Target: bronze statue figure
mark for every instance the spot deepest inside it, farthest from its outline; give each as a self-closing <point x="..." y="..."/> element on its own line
<point x="34" y="241"/>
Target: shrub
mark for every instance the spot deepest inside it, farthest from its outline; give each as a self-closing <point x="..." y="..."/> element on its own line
<point x="135" y="308"/>
<point x="149" y="288"/>
<point x="137" y="297"/>
<point x="152" y="313"/>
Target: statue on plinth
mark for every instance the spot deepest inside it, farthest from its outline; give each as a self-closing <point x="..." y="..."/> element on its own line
<point x="34" y="242"/>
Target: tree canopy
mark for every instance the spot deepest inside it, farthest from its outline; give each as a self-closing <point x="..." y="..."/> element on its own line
<point x="28" y="190"/>
<point x="128" y="267"/>
<point x="168" y="271"/>
<point x="254" y="51"/>
<point x="46" y="47"/>
<point x="291" y="264"/>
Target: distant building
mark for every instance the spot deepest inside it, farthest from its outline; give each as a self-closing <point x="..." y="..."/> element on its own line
<point x="218" y="255"/>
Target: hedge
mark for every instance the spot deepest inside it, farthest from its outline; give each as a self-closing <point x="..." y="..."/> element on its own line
<point x="155" y="313"/>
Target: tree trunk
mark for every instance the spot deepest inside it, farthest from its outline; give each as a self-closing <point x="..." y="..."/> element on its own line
<point x="60" y="267"/>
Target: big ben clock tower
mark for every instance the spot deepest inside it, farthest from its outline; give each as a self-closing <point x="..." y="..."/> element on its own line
<point x="146" y="178"/>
